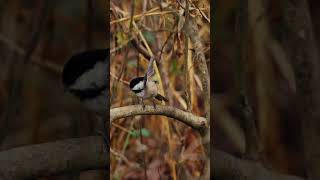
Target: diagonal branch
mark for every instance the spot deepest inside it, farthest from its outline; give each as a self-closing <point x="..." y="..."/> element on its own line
<point x="86" y="153"/>
<point x="196" y="122"/>
<point x="53" y="158"/>
<point x="226" y="166"/>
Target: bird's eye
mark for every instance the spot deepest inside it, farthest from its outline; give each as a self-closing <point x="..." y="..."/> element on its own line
<point x="156" y="82"/>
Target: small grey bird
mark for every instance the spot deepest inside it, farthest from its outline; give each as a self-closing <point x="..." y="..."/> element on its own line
<point x="145" y="87"/>
<point x="85" y="76"/>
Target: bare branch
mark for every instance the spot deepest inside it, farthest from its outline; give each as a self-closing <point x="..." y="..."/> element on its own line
<point x="192" y="31"/>
<point x="87" y="153"/>
<point x="196" y="122"/>
<point x="53" y="158"/>
<point x="228" y="167"/>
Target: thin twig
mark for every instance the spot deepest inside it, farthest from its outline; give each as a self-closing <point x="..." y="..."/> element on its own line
<point x="119" y="79"/>
<point x="201" y="12"/>
<point x="124" y="159"/>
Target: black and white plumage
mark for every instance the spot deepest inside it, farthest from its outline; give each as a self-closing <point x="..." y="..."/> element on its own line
<point x="145" y="87"/>
<point x="85" y="76"/>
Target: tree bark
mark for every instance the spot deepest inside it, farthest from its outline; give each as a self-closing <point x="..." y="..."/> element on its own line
<point x="305" y="59"/>
<point x="196" y="122"/>
<point x="228" y="167"/>
<point x="53" y="158"/>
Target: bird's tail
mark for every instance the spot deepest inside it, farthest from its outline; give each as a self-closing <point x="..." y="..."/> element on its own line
<point x="161" y="98"/>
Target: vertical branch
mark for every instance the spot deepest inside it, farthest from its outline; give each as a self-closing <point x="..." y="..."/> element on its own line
<point x="131" y="16"/>
<point x="187" y="60"/>
<point x="304" y="57"/>
<point x="192" y="31"/>
<point x="260" y="34"/>
<point x="190" y="28"/>
<point x="250" y="129"/>
<point x="259" y="27"/>
<point x="106" y="172"/>
<point x="267" y="113"/>
<point x="187" y="77"/>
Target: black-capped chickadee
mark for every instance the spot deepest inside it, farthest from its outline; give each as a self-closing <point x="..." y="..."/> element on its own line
<point x="85" y="76"/>
<point x="145" y="87"/>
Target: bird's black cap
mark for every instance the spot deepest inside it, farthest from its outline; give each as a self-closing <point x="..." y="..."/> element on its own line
<point x="82" y="62"/>
<point x="134" y="82"/>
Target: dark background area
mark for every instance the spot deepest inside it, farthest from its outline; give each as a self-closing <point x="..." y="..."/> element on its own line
<point x="36" y="38"/>
<point x="265" y="101"/>
<point x="265" y="60"/>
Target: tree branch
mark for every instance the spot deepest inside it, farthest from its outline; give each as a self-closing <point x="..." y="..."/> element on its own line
<point x="196" y="122"/>
<point x="53" y="158"/>
<point x="302" y="48"/>
<point x="87" y="153"/>
<point x="192" y="31"/>
<point x="228" y="167"/>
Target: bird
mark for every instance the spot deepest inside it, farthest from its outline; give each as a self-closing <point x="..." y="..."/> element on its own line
<point x="145" y="87"/>
<point x="85" y="75"/>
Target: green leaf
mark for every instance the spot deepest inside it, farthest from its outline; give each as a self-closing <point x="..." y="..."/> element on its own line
<point x="144" y="132"/>
<point x="174" y="67"/>
<point x="135" y="133"/>
<point x="132" y="63"/>
<point x="121" y="37"/>
<point x="149" y="37"/>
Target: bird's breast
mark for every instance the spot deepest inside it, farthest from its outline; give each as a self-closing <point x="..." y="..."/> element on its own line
<point x="152" y="89"/>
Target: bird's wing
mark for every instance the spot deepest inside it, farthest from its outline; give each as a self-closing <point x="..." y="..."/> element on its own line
<point x="149" y="72"/>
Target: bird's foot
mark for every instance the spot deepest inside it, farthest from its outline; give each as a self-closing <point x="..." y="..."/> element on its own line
<point x="143" y="106"/>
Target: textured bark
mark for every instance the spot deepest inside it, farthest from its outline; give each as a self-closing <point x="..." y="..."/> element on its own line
<point x="305" y="59"/>
<point x="196" y="122"/>
<point x="54" y="158"/>
<point x="228" y="167"/>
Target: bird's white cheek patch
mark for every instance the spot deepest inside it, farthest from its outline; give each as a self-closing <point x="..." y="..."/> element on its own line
<point x="95" y="77"/>
<point x="138" y="86"/>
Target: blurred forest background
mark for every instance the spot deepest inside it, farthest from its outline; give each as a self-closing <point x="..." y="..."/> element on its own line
<point x="265" y="103"/>
<point x="265" y="84"/>
<point x="156" y="147"/>
<point x="36" y="38"/>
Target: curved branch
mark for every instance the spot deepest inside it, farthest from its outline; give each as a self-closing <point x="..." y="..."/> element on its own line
<point x="225" y="166"/>
<point x="196" y="122"/>
<point x="86" y="153"/>
<point x="53" y="158"/>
